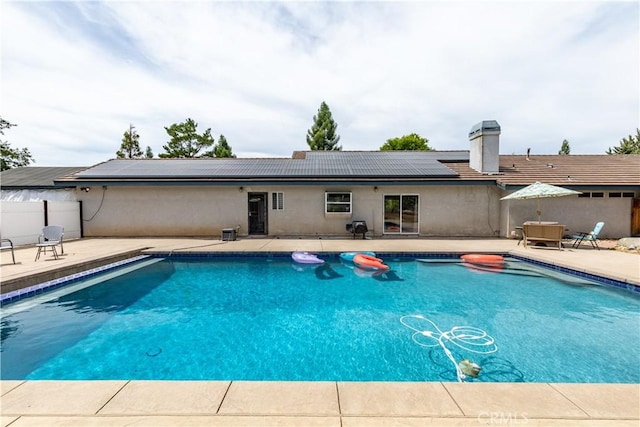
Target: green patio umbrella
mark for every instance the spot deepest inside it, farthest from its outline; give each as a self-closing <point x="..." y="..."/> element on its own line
<point x="539" y="190"/>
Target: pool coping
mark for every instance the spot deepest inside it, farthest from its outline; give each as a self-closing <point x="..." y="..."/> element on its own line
<point x="328" y="403"/>
<point x="57" y="282"/>
<point x="38" y="278"/>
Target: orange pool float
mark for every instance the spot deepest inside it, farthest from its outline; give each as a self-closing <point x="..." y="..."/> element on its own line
<point x="369" y="262"/>
<point x="484" y="262"/>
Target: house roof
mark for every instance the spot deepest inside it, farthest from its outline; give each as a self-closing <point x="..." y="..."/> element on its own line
<point x="32" y="177"/>
<point x="573" y="171"/>
<point x="379" y="167"/>
<point x="303" y="166"/>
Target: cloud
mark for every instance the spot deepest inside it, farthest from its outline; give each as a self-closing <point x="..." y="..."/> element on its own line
<point x="76" y="74"/>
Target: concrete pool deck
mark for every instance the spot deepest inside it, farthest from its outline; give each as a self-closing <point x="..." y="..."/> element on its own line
<point x="246" y="403"/>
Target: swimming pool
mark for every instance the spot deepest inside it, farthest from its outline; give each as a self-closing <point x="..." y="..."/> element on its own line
<point x="266" y="318"/>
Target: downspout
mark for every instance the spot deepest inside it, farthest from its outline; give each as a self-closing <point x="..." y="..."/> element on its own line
<point x="81" y="220"/>
<point x="46" y="213"/>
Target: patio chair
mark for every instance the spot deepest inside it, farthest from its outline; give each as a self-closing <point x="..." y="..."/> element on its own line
<point x="8" y="244"/>
<point x="50" y="238"/>
<point x="591" y="237"/>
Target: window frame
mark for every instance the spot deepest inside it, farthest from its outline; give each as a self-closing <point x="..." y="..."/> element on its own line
<point x="621" y="194"/>
<point x="386" y="228"/>
<point x="328" y="203"/>
<point x="277" y="201"/>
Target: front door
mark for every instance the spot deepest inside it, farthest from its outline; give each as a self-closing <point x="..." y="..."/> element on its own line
<point x="257" y="213"/>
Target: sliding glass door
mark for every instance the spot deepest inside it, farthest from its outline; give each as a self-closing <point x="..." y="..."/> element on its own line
<point x="401" y="214"/>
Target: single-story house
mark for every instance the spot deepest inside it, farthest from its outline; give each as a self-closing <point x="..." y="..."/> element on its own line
<point x="318" y="193"/>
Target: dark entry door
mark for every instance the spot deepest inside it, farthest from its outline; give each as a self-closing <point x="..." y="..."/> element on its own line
<point x="635" y="218"/>
<point x="257" y="213"/>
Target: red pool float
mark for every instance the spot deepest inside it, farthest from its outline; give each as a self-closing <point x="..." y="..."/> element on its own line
<point x="484" y="262"/>
<point x="369" y="262"/>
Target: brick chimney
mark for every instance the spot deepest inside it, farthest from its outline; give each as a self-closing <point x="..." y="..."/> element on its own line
<point x="485" y="146"/>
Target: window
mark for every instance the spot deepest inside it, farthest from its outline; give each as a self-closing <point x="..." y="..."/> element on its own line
<point x="277" y="201"/>
<point x="337" y="203"/>
<point x="622" y="194"/>
<point x="594" y="194"/>
<point x="401" y="213"/>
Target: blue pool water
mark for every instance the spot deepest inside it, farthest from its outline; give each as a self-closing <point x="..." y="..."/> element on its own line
<point x="269" y="319"/>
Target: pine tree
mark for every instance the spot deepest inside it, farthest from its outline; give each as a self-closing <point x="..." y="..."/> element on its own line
<point x="223" y="149"/>
<point x="565" y="150"/>
<point x="628" y="145"/>
<point x="148" y="153"/>
<point x="130" y="148"/>
<point x="186" y="142"/>
<point x="322" y="135"/>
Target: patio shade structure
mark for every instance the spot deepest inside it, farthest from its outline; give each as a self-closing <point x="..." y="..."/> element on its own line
<point x="539" y="190"/>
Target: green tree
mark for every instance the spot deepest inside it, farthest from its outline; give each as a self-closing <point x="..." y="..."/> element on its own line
<point x="12" y="157"/>
<point x="223" y="149"/>
<point x="130" y="148"/>
<point x="628" y="145"/>
<point x="322" y="135"/>
<point x="411" y="142"/>
<point x="186" y="142"/>
<point x="565" y="150"/>
<point x="148" y="153"/>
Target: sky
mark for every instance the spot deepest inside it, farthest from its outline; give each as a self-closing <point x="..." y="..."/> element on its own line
<point x="76" y="74"/>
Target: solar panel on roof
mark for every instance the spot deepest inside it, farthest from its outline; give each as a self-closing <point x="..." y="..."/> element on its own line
<point x="320" y="165"/>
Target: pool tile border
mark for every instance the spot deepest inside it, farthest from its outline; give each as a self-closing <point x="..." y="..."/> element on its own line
<point x="33" y="290"/>
<point x="287" y="254"/>
<point x="582" y="274"/>
<point x="605" y="281"/>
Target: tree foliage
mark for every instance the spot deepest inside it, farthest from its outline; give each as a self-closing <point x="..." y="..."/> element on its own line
<point x="628" y="145"/>
<point x="322" y="135"/>
<point x="186" y="142"/>
<point x="148" y="153"/>
<point x="130" y="147"/>
<point x="565" y="150"/>
<point x="411" y="142"/>
<point x="223" y="149"/>
<point x="12" y="157"/>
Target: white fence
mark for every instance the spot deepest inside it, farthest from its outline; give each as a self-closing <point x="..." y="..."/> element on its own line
<point x="22" y="222"/>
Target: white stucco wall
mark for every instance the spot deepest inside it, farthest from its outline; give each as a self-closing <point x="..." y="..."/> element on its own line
<point x="445" y="210"/>
<point x="162" y="211"/>
<point x="206" y="210"/>
<point x="450" y="210"/>
<point x="576" y="213"/>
